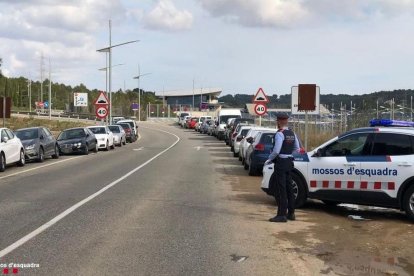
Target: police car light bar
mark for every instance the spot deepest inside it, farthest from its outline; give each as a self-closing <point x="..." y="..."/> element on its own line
<point x="390" y="123"/>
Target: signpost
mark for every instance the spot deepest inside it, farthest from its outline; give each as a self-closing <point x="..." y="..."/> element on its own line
<point x="80" y="99"/>
<point x="101" y="106"/>
<point x="5" y="109"/>
<point x="306" y="100"/>
<point x="260" y="99"/>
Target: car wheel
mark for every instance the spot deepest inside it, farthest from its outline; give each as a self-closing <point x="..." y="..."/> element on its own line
<point x="107" y="146"/>
<point x="408" y="202"/>
<point x="124" y="142"/>
<point x="113" y="145"/>
<point x="2" y="163"/>
<point x="56" y="154"/>
<point x="240" y="158"/>
<point x="41" y="156"/>
<point x="252" y="169"/>
<point x="235" y="154"/>
<point x="232" y="149"/>
<point x="246" y="166"/>
<point x="86" y="150"/>
<point x="96" y="147"/>
<point x="120" y="143"/>
<point x="22" y="160"/>
<point x="299" y="190"/>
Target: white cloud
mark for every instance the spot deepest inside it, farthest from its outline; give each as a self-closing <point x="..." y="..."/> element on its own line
<point x="290" y="13"/>
<point x="268" y="13"/>
<point x="165" y="16"/>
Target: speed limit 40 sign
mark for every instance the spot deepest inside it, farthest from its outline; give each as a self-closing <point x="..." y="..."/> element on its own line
<point x="101" y="112"/>
<point x="260" y="109"/>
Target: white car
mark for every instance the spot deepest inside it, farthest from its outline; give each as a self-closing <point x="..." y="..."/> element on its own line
<point x="132" y="124"/>
<point x="241" y="134"/>
<point x="119" y="134"/>
<point x="105" y="137"/>
<point x="11" y="149"/>
<point x="244" y="144"/>
<point x="365" y="166"/>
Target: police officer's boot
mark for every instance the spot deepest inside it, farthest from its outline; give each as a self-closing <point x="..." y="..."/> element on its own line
<point x="278" y="219"/>
<point x="291" y="216"/>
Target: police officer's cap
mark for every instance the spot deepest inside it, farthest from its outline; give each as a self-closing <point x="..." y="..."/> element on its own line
<point x="282" y="116"/>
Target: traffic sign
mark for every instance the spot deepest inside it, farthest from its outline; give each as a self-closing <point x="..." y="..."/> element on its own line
<point x="295" y="102"/>
<point x="260" y="97"/>
<point x="134" y="106"/>
<point x="46" y="104"/>
<point x="80" y="99"/>
<point x="260" y="109"/>
<point x="101" y="112"/>
<point x="102" y="99"/>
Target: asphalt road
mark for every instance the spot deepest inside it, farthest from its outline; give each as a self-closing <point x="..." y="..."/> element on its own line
<point x="179" y="203"/>
<point x="171" y="216"/>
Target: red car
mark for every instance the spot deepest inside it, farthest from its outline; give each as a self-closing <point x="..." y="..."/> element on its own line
<point x="191" y="124"/>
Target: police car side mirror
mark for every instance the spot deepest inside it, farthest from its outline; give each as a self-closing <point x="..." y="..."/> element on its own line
<point x="318" y="153"/>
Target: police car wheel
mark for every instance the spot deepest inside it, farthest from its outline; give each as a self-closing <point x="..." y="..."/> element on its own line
<point x="330" y="202"/>
<point x="408" y="202"/>
<point x="299" y="191"/>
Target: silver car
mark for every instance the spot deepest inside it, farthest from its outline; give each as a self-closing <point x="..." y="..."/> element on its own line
<point x="119" y="135"/>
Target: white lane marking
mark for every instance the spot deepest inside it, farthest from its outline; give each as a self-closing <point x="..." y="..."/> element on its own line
<point x="62" y="215"/>
<point x="43" y="166"/>
<point x="198" y="148"/>
<point x="141" y="148"/>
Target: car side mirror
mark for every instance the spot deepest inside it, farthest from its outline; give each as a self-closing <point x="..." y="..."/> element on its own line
<point x="41" y="137"/>
<point x="5" y="139"/>
<point x="87" y="135"/>
<point x="249" y="140"/>
<point x="318" y="153"/>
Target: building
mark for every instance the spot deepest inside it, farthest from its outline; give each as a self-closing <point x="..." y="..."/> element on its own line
<point x="197" y="99"/>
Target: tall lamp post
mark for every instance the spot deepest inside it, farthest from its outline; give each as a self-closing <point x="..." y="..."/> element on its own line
<point x="138" y="77"/>
<point x="109" y="51"/>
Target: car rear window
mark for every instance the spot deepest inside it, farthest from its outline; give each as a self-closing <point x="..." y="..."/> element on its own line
<point x="27" y="134"/>
<point x="71" y="134"/>
<point x="244" y="132"/>
<point x="114" y="129"/>
<point x="392" y="144"/>
<point x="98" y="130"/>
<point x="267" y="138"/>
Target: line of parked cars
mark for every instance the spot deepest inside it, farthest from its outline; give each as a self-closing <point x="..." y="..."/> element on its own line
<point x="38" y="143"/>
<point x="250" y="143"/>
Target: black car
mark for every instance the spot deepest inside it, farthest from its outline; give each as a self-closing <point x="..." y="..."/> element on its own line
<point x="77" y="140"/>
<point x="38" y="142"/>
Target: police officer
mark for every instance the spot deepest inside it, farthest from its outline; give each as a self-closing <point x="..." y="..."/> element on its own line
<point x="286" y="143"/>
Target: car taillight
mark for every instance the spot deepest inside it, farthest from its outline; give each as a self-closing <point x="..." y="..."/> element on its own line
<point x="259" y="147"/>
<point x="302" y="150"/>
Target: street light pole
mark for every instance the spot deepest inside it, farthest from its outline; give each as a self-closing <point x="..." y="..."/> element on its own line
<point x="139" y="90"/>
<point x="109" y="51"/>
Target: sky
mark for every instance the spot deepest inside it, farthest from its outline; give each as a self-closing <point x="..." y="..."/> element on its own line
<point x="344" y="46"/>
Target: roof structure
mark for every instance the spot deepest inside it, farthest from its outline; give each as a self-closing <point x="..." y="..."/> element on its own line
<point x="189" y="92"/>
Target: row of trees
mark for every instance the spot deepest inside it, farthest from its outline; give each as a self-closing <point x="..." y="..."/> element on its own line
<point x="62" y="96"/>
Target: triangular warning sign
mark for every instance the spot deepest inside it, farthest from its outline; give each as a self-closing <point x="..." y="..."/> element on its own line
<point x="260" y="97"/>
<point x="102" y="99"/>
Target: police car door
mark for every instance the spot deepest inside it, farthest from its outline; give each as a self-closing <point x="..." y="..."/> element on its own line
<point x="390" y="164"/>
<point x="331" y="171"/>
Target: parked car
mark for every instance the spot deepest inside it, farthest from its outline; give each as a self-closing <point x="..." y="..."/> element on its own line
<point x="117" y="119"/>
<point x="212" y="128"/>
<point x="205" y="125"/>
<point x="228" y="130"/>
<point x="184" y="120"/>
<point x="244" y="143"/>
<point x="191" y="123"/>
<point x="104" y="136"/>
<point x="201" y="121"/>
<point x="128" y="132"/>
<point x="11" y="149"/>
<point x="261" y="145"/>
<point x="239" y="137"/>
<point x="181" y="118"/>
<point x="133" y="125"/>
<point x="77" y="140"/>
<point x="38" y="142"/>
<point x="119" y="135"/>
<point x="234" y="134"/>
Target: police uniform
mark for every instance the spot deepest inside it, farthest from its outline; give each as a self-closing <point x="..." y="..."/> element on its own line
<point x="286" y="143"/>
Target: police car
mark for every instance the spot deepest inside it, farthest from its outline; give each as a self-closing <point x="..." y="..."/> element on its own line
<point x="367" y="166"/>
